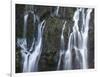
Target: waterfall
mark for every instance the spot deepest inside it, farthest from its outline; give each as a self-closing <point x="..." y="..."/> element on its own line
<point x="25" y="25"/>
<point x="70" y="52"/>
<point x="31" y="57"/>
<point x="62" y="46"/>
<point x="55" y="11"/>
<point x="35" y="56"/>
<point x="78" y="41"/>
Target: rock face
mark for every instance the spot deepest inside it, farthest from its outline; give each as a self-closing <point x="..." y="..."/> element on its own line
<point x="91" y="41"/>
<point x="51" y="37"/>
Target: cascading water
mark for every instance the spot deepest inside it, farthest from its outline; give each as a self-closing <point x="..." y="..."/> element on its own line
<point x="78" y="41"/>
<point x="31" y="55"/>
<point x="35" y="56"/>
<point x="62" y="50"/>
<point x="56" y="11"/>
